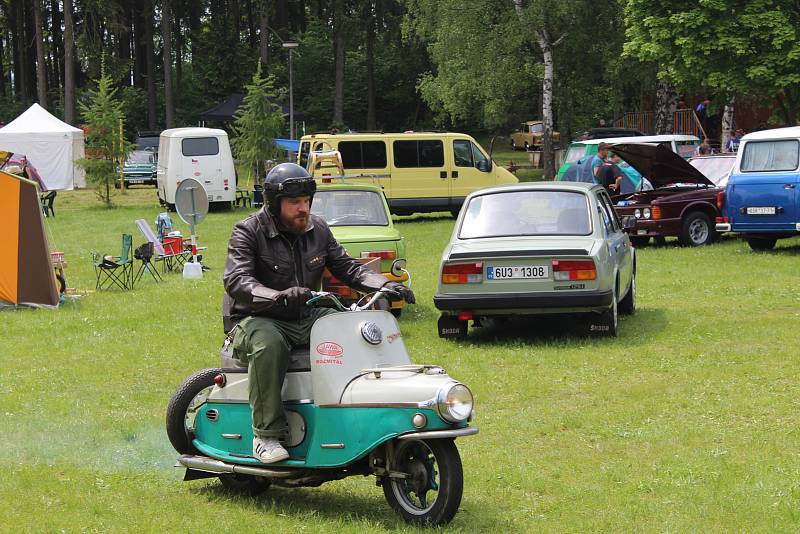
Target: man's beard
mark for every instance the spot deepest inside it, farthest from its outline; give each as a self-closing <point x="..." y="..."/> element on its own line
<point x="296" y="225"/>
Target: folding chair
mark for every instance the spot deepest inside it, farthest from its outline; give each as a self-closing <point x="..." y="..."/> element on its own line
<point x="47" y="203"/>
<point x="115" y="270"/>
<point x="145" y="253"/>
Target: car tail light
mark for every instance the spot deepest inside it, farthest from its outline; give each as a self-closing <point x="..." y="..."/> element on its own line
<point x="220" y="381"/>
<point x="720" y="200"/>
<point x="465" y="316"/>
<point x="382" y="254"/>
<point x="326" y="179"/>
<point x="574" y="270"/>
<point x="723" y="220"/>
<point x="655" y="212"/>
<point x="463" y="273"/>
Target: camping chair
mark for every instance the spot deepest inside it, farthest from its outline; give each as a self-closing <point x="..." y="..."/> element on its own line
<point x="47" y="203"/>
<point x="115" y="270"/>
<point x="145" y="253"/>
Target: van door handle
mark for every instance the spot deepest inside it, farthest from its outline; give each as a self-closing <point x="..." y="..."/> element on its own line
<point x="443" y="175"/>
<point x="788" y="186"/>
<point x="454" y="174"/>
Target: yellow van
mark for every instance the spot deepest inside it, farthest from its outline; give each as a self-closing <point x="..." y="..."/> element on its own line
<point x="418" y="171"/>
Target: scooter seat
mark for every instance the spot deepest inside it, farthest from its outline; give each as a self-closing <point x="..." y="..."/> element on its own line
<point x="299" y="361"/>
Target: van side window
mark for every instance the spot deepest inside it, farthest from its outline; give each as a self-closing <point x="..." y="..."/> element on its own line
<point x="200" y="146"/>
<point x="462" y="154"/>
<point x="305" y="147"/>
<point x="363" y="154"/>
<point x="426" y="153"/>
<point x="778" y="155"/>
<point x="477" y="155"/>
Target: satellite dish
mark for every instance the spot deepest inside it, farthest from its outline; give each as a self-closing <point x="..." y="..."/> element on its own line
<point x="191" y="201"/>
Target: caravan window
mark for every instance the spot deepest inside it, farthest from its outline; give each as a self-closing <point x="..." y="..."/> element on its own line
<point x="200" y="146"/>
<point x="363" y="154"/>
<point x="770" y="156"/>
<point x="418" y="153"/>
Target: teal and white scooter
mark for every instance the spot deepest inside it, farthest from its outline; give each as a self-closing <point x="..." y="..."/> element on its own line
<point x="356" y="405"/>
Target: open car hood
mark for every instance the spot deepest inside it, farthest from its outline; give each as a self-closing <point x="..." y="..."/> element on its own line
<point x="659" y="164"/>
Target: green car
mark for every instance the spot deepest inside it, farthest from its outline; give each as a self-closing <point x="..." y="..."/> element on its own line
<point x="140" y="168"/>
<point x="360" y="220"/>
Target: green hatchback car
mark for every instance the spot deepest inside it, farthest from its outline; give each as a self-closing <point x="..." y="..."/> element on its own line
<point x="360" y="220"/>
<point x="140" y="168"/>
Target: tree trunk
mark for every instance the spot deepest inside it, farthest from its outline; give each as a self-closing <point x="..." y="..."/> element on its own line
<point x="728" y="117"/>
<point x="371" y="122"/>
<point x="252" y="38"/>
<point x="666" y="102"/>
<point x="263" y="28"/>
<point x="193" y="14"/>
<point x="166" y="35"/>
<point x="14" y="39"/>
<point x="124" y="37"/>
<point x="546" y="46"/>
<point x="179" y="44"/>
<point x="58" y="45"/>
<point x="20" y="67"/>
<point x="338" y="45"/>
<point x="30" y="54"/>
<point x="69" y="64"/>
<point x="152" y="117"/>
<point x="137" y="17"/>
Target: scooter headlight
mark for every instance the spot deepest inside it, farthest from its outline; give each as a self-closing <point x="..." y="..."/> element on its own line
<point x="454" y="403"/>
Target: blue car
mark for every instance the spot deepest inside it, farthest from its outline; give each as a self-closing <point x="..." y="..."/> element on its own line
<point x="761" y="199"/>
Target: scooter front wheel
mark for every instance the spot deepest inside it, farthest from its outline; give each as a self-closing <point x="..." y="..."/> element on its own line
<point x="183" y="406"/>
<point x="430" y="492"/>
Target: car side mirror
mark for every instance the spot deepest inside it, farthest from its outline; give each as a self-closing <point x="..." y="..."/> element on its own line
<point x="628" y="222"/>
<point x="484" y="165"/>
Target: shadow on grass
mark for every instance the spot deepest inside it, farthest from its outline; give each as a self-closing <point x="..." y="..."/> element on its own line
<point x="424" y="217"/>
<point x="565" y="329"/>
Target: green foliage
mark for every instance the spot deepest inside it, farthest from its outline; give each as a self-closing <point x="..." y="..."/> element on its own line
<point x="105" y="140"/>
<point x="258" y="122"/>
<point x="725" y="46"/>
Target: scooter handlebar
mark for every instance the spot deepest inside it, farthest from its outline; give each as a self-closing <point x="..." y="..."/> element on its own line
<point x="321" y="295"/>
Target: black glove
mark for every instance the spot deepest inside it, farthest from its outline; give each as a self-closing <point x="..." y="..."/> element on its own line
<point x="294" y="299"/>
<point x="402" y="290"/>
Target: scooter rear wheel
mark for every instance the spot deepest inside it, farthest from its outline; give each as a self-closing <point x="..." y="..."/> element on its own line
<point x="432" y="467"/>
<point x="183" y="406"/>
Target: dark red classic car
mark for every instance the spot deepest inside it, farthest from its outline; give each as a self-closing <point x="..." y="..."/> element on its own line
<point x="682" y="202"/>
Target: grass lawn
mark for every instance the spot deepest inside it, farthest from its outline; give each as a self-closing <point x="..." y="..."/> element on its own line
<point x="686" y="422"/>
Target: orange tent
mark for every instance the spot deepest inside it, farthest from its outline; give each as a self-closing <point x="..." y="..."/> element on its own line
<point x="26" y="272"/>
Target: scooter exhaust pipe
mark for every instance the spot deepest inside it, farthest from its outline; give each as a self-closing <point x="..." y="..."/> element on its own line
<point x="210" y="465"/>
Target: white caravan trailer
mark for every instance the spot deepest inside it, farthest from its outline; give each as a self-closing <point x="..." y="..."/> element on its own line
<point x="200" y="153"/>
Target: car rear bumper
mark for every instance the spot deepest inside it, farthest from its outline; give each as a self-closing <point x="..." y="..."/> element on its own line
<point x="552" y="300"/>
<point x="656" y="228"/>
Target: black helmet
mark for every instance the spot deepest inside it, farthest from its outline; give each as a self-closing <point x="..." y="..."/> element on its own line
<point x="287" y="180"/>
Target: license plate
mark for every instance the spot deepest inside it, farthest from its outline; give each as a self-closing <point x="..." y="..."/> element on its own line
<point x="135" y="181"/>
<point x="761" y="210"/>
<point x="522" y="271"/>
<point x="641" y="232"/>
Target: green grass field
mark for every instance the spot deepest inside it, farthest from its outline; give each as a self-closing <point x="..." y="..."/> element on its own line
<point x="686" y="422"/>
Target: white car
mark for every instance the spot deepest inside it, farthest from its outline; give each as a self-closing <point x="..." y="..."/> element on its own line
<point x="541" y="248"/>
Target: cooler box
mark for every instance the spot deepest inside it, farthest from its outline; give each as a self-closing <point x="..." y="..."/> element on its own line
<point x="173" y="245"/>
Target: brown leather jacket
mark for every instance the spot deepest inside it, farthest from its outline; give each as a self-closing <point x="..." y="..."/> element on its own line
<point x="262" y="262"/>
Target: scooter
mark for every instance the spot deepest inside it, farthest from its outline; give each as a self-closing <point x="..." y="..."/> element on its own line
<point x="355" y="405"/>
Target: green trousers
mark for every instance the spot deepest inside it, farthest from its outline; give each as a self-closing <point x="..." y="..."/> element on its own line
<point x="263" y="344"/>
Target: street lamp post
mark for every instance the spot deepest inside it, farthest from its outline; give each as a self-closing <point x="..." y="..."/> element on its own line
<point x="290" y="46"/>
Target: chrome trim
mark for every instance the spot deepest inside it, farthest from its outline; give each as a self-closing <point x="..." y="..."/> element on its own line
<point x="723" y="227"/>
<point x="212" y="415"/>
<point x="441" y="401"/>
<point x="424" y="404"/>
<point x="210" y="465"/>
<point x="232" y="436"/>
<point x="441" y="434"/>
<point x="299" y="401"/>
<point x="332" y="445"/>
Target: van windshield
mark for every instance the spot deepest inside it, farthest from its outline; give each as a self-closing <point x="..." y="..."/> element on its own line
<point x="778" y="155"/>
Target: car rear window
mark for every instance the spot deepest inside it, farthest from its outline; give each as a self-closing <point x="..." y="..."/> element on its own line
<point x="350" y="208"/>
<point x="777" y="155"/>
<point x="526" y="213"/>
<point x="200" y="146"/>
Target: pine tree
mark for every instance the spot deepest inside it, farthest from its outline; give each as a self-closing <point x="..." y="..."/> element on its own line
<point x="258" y="122"/>
<point x="105" y="140"/>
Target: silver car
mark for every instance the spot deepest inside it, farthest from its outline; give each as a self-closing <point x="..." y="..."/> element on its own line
<point x="537" y="249"/>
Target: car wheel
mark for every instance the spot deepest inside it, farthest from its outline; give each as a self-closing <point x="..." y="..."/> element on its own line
<point x="761" y="243"/>
<point x="697" y="230"/>
<point x="627" y="305"/>
<point x="606" y="323"/>
<point x="527" y="147"/>
<point x="514" y="145"/>
<point x="639" y="241"/>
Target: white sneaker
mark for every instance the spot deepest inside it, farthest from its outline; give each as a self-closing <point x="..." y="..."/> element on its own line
<point x="268" y="450"/>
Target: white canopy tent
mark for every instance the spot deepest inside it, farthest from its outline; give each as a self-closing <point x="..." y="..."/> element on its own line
<point x="51" y="145"/>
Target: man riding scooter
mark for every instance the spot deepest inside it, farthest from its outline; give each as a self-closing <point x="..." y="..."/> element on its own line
<point x="276" y="257"/>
